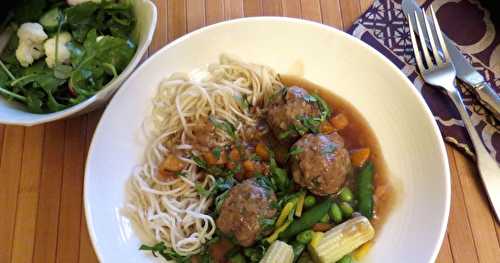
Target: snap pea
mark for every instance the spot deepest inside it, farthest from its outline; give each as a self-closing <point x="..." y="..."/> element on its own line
<point x="308" y="219"/>
<point x="305" y="237"/>
<point x="346" y="209"/>
<point x="325" y="219"/>
<point x="345" y="259"/>
<point x="309" y="201"/>
<point x="346" y="194"/>
<point x="336" y="213"/>
<point x="364" y="185"/>
<point x="298" y="248"/>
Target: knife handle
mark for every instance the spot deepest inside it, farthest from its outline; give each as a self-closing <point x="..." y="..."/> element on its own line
<point x="489" y="98"/>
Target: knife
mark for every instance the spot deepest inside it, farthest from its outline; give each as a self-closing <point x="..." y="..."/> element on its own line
<point x="465" y="72"/>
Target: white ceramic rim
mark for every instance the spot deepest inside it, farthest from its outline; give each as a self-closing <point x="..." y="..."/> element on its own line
<point x="421" y="101"/>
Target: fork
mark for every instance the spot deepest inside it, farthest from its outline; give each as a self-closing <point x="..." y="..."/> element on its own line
<point x="441" y="72"/>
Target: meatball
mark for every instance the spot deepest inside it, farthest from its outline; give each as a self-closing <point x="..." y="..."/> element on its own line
<point x="286" y="109"/>
<point x="243" y="210"/>
<point x="322" y="163"/>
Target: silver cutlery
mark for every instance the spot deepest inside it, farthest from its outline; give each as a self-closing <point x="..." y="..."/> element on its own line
<point x="438" y="70"/>
<point x="464" y="70"/>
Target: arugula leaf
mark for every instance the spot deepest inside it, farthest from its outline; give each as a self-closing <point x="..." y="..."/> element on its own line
<point x="294" y="150"/>
<point x="81" y="19"/>
<point x="115" y="19"/>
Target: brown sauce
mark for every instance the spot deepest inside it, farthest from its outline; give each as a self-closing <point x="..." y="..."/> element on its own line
<point x="357" y="134"/>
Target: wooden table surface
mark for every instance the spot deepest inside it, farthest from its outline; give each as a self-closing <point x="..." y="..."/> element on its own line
<point x="42" y="167"/>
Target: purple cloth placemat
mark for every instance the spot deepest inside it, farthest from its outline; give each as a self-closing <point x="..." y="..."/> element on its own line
<point x="384" y="27"/>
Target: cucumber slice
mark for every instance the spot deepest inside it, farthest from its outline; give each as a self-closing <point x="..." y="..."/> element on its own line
<point x="50" y="20"/>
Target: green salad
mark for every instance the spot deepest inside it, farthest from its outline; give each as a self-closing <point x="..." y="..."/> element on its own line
<point x="57" y="54"/>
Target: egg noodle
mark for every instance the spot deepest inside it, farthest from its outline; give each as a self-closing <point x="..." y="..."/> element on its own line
<point x="173" y="211"/>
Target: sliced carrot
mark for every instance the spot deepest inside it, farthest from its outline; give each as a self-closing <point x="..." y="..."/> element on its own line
<point x="262" y="151"/>
<point x="249" y="166"/>
<point x="234" y="154"/>
<point x="339" y="121"/>
<point x="359" y="157"/>
<point x="321" y="227"/>
<point x="211" y="159"/>
<point x="326" y="127"/>
<point x="172" y="164"/>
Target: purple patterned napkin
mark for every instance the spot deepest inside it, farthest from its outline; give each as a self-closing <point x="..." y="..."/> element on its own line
<point x="384" y="27"/>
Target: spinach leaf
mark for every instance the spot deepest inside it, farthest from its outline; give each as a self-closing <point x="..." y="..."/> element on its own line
<point x="115" y="19"/>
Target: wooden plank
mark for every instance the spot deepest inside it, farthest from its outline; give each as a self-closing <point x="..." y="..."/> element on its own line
<point x="160" y="37"/>
<point x="233" y="9"/>
<point x="10" y="168"/>
<point x="350" y="12"/>
<point x="71" y="193"/>
<point x="291" y="8"/>
<point x="272" y="8"/>
<point x="214" y="11"/>
<point x="459" y="230"/>
<point x="252" y="7"/>
<point x="331" y="13"/>
<point x="2" y="131"/>
<point x="365" y="4"/>
<point x="445" y="255"/>
<point x="195" y="14"/>
<point x="50" y="193"/>
<point x="27" y="198"/>
<point x="176" y="17"/>
<point x="311" y="10"/>
<point x="87" y="253"/>
<point x="480" y="216"/>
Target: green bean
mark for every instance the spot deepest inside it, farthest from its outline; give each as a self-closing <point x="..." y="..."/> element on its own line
<point x="298" y="248"/>
<point x="345" y="259"/>
<point x="325" y="219"/>
<point x="238" y="258"/>
<point x="308" y="219"/>
<point x="364" y="185"/>
<point x="346" y="194"/>
<point x="305" y="237"/>
<point x="346" y="209"/>
<point x="336" y="213"/>
<point x="309" y="201"/>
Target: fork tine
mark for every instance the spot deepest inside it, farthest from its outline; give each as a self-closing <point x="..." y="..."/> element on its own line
<point x="430" y="32"/>
<point x="428" y="58"/>
<point x="418" y="57"/>
<point x="439" y="34"/>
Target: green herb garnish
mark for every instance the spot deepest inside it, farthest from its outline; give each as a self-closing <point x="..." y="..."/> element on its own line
<point x="294" y="150"/>
<point x="223" y="125"/>
<point x="217" y="152"/>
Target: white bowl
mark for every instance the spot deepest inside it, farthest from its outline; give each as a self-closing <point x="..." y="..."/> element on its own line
<point x="409" y="138"/>
<point x="145" y="13"/>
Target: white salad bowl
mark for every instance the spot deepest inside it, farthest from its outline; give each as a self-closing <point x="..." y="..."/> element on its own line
<point x="145" y="13"/>
<point x="409" y="138"/>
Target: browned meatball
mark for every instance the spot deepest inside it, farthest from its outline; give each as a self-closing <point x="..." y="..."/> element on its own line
<point x="286" y="108"/>
<point x="243" y="210"/>
<point x="323" y="163"/>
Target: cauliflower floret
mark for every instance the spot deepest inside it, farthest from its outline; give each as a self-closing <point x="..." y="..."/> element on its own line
<point x="77" y="2"/>
<point x="63" y="53"/>
<point x="30" y="47"/>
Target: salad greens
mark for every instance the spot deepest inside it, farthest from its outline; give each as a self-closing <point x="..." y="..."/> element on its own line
<point x="100" y="48"/>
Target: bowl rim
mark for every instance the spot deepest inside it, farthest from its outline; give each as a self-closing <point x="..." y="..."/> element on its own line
<point x="110" y="87"/>
<point x="442" y="149"/>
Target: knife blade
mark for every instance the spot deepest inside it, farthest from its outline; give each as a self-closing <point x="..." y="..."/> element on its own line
<point x="465" y="72"/>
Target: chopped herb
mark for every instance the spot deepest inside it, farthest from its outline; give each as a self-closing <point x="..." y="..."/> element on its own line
<point x="199" y="162"/>
<point x="294" y="150"/>
<point x="265" y="182"/>
<point x="223" y="125"/>
<point x="223" y="184"/>
<point x="201" y="190"/>
<point x="286" y="133"/>
<point x="254" y="157"/>
<point x="243" y="102"/>
<point x="165" y="252"/>
<point x="217" y="151"/>
<point x="310" y="123"/>
<point x="181" y="174"/>
<point x="330" y="148"/>
<point x="219" y="200"/>
<point x="323" y="107"/>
